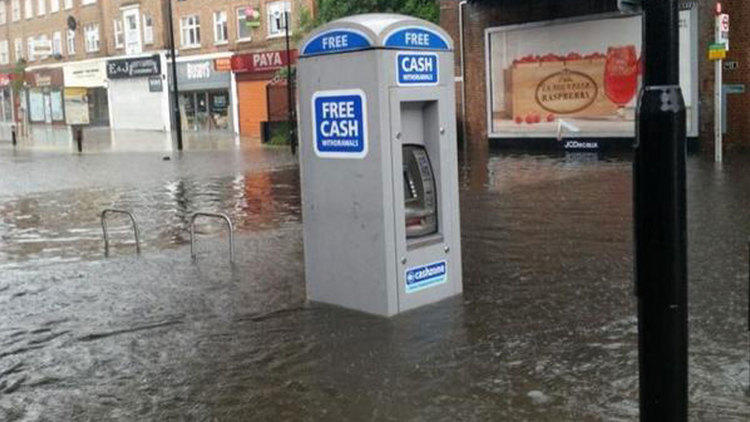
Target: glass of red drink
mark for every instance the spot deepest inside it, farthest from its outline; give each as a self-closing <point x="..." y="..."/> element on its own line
<point x="621" y="74"/>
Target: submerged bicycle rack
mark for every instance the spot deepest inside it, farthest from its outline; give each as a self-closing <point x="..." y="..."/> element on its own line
<point x="106" y="234"/>
<point x="213" y="215"/>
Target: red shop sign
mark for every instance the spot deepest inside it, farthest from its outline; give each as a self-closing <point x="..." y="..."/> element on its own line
<point x="263" y="61"/>
<point x="5" y="79"/>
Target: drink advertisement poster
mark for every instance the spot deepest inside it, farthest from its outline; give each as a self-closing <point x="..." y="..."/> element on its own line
<point x="585" y="73"/>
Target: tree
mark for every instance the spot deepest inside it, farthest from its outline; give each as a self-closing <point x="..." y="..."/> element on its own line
<point x="329" y="10"/>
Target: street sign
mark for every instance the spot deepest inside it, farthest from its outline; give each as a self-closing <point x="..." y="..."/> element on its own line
<point x="722" y="29"/>
<point x="717" y="51"/>
<point x="155" y="84"/>
<point x="629" y="6"/>
<point x="734" y="88"/>
<point x="731" y="65"/>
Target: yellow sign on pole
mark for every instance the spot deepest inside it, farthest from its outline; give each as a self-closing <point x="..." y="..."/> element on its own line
<point x="717" y="52"/>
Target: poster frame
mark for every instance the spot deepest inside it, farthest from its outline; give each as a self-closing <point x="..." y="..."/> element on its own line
<point x="488" y="32"/>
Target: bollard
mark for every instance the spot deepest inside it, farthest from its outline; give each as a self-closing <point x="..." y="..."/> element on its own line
<point x="13" y="135"/>
<point x="78" y="134"/>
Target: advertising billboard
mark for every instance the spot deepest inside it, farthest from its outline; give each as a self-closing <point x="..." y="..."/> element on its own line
<point x="581" y="76"/>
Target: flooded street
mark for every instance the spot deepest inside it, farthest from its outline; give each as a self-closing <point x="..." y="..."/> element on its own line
<point x="545" y="330"/>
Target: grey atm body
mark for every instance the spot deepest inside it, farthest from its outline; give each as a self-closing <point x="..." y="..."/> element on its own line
<point x="377" y="221"/>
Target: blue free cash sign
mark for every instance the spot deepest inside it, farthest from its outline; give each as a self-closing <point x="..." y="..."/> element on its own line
<point x="340" y="123"/>
<point x="336" y="41"/>
<point x="417" y="69"/>
<point x="429" y="275"/>
<point x="416" y="37"/>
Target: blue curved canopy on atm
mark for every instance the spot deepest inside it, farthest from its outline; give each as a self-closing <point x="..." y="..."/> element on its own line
<point x="375" y="30"/>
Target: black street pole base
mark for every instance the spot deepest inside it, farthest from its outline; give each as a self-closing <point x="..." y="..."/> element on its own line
<point x="661" y="253"/>
<point x="78" y="134"/>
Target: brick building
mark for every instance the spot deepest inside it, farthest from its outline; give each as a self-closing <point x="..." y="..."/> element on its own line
<point x="113" y="67"/>
<point x="247" y="40"/>
<point x="512" y="43"/>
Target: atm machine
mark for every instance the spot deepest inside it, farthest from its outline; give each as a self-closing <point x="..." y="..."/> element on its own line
<point x="378" y="159"/>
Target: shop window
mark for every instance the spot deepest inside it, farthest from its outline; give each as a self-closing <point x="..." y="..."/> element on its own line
<point x="119" y="34"/>
<point x="3" y="13"/>
<point x="7" y="105"/>
<point x="41" y="7"/>
<point x="190" y="30"/>
<point x="148" y="29"/>
<point x="221" y="35"/>
<point x="219" y="113"/>
<point x="54" y="6"/>
<point x="36" y="105"/>
<point x="277" y="17"/>
<point x="91" y="35"/>
<point x="28" y="7"/>
<point x="248" y="18"/>
<point x="57" y="43"/>
<point x="71" y="42"/>
<point x="4" y="52"/>
<point x="68" y="4"/>
<point x="15" y="10"/>
<point x="85" y="2"/>
<point x="56" y="105"/>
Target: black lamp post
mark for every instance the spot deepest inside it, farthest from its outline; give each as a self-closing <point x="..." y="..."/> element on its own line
<point x="290" y="96"/>
<point x="176" y="103"/>
<point x="660" y="220"/>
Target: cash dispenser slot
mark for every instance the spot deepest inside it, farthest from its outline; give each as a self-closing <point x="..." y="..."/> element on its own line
<point x="420" y="195"/>
<point x="419" y="127"/>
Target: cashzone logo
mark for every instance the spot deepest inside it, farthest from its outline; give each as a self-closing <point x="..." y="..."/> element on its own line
<point x="425" y="276"/>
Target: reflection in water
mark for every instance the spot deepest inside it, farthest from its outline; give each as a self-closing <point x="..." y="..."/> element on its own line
<point x="545" y="330"/>
<point x="50" y="226"/>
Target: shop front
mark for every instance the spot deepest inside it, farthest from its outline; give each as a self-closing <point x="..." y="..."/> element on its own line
<point x="7" y="114"/>
<point x="204" y="96"/>
<point x="254" y="72"/>
<point x="86" y="100"/>
<point x="137" y="94"/>
<point x="44" y="96"/>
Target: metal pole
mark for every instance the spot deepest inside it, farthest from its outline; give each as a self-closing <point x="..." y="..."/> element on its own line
<point x="78" y="135"/>
<point x="292" y="120"/>
<point x="718" y="103"/>
<point x="463" y="72"/>
<point x="176" y="103"/>
<point x="660" y="221"/>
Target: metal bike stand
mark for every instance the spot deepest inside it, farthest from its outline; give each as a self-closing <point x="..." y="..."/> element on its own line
<point x="214" y="215"/>
<point x="106" y="234"/>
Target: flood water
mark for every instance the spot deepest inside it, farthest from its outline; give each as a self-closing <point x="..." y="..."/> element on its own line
<point x="545" y="329"/>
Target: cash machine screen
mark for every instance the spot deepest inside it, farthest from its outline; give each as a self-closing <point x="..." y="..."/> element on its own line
<point x="420" y="195"/>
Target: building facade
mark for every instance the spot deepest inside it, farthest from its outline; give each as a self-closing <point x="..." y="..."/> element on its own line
<point x="512" y="55"/>
<point x="245" y="44"/>
<point x="108" y="62"/>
